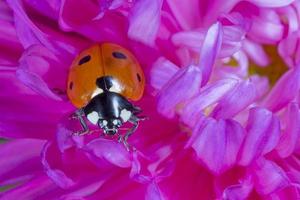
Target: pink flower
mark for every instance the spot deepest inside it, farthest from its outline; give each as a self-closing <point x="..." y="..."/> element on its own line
<point x="222" y="100"/>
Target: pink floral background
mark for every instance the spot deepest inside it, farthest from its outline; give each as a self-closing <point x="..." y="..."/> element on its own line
<point x="222" y="97"/>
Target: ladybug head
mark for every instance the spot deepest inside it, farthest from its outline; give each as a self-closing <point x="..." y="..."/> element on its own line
<point x="110" y="126"/>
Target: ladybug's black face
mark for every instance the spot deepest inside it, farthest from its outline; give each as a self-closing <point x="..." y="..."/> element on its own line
<point x="110" y="126"/>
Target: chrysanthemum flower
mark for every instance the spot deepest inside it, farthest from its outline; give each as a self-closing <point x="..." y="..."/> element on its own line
<point x="222" y="98"/>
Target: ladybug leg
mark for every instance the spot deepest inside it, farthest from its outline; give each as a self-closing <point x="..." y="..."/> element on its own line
<point x="135" y="121"/>
<point x="85" y="129"/>
<point x="76" y="114"/>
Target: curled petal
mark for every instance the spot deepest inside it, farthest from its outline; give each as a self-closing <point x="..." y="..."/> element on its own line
<point x="144" y="20"/>
<point x="290" y="135"/>
<point x="162" y="71"/>
<point x="210" y="49"/>
<point x="285" y="90"/>
<point x="153" y="192"/>
<point x="271" y="3"/>
<point x="236" y="100"/>
<point x="58" y="176"/>
<point x="265" y="30"/>
<point x="39" y="70"/>
<point x="289" y="49"/>
<point x="217" y="143"/>
<point x="256" y="53"/>
<point x="184" y="85"/>
<point x="263" y="131"/>
<point x="182" y="13"/>
<point x="268" y="177"/>
<point x="238" y="192"/>
<point x="110" y="151"/>
<point x="208" y="96"/>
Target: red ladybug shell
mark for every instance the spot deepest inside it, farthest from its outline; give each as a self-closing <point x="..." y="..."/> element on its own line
<point x="100" y="60"/>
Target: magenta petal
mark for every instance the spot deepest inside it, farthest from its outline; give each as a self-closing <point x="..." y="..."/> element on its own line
<point x="285" y="90"/>
<point x="49" y="8"/>
<point x="217" y="143"/>
<point x="210" y="49"/>
<point x="235" y="101"/>
<point x="187" y="15"/>
<point x="271" y="3"/>
<point x="184" y="85"/>
<point x="58" y="176"/>
<point x="69" y="18"/>
<point x="117" y="154"/>
<point x="238" y="192"/>
<point x="256" y="52"/>
<point x="263" y="130"/>
<point x="265" y="30"/>
<point x="290" y="135"/>
<point x="162" y="71"/>
<point x="144" y="20"/>
<point x="209" y="95"/>
<point x="30" y="190"/>
<point x="42" y="71"/>
<point x="17" y="163"/>
<point x="269" y="177"/>
<point x="153" y="192"/>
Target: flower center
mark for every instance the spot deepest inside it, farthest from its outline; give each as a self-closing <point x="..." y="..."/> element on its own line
<point x="274" y="70"/>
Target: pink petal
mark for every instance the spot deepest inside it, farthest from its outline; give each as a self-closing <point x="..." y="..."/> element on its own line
<point x="285" y="90"/>
<point x="290" y="192"/>
<point x="35" y="120"/>
<point x="239" y="191"/>
<point x="193" y="40"/>
<point x="288" y="49"/>
<point x="236" y="100"/>
<point x="144" y="20"/>
<point x="17" y="163"/>
<point x="217" y="143"/>
<point x="256" y="52"/>
<point x="10" y="46"/>
<point x="271" y="3"/>
<point x="290" y="135"/>
<point x="266" y="28"/>
<point x="210" y="49"/>
<point x="32" y="31"/>
<point x="187" y="15"/>
<point x="42" y="71"/>
<point x="69" y="9"/>
<point x="268" y="177"/>
<point x="153" y="192"/>
<point x="49" y="8"/>
<point x="162" y="71"/>
<point x="30" y="190"/>
<point x="117" y="154"/>
<point x="184" y="85"/>
<point x="263" y="130"/>
<point x="58" y="176"/>
<point x="209" y="95"/>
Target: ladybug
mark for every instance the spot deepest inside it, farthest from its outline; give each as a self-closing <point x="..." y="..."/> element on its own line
<point x="101" y="82"/>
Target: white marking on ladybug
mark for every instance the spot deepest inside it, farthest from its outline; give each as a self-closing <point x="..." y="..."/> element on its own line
<point x="115" y="122"/>
<point x="104" y="122"/>
<point x="115" y="88"/>
<point x="93" y="117"/>
<point x="96" y="92"/>
<point x="125" y="115"/>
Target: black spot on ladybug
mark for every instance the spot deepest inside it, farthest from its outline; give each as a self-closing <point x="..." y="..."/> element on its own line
<point x="85" y="59"/>
<point x="119" y="55"/>
<point x="138" y="77"/>
<point x="71" y="86"/>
